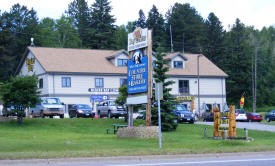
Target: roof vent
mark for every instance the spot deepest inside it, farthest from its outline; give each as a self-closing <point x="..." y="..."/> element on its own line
<point x="32" y="44"/>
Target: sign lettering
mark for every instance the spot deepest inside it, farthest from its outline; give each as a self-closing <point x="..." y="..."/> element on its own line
<point x="138" y="39"/>
<point x="137" y="73"/>
<point x="30" y="63"/>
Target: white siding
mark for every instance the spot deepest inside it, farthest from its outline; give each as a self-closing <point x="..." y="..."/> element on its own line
<point x="37" y="68"/>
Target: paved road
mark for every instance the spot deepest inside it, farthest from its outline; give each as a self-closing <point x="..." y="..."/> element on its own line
<point x="248" y="125"/>
<point x="226" y="159"/>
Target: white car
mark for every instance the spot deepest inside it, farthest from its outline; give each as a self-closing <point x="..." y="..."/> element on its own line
<point x="240" y="115"/>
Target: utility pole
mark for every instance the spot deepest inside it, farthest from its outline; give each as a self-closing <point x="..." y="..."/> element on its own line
<point x="255" y="80"/>
<point x="171" y="39"/>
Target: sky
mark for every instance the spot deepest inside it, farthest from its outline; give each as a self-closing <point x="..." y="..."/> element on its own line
<point x="257" y="13"/>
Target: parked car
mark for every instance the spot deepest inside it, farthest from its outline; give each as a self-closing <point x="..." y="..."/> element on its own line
<point x="270" y="116"/>
<point x="251" y="117"/>
<point x="183" y="114"/>
<point x="11" y="111"/>
<point x="50" y="106"/>
<point x="208" y="116"/>
<point x="80" y="110"/>
<point x="240" y="115"/>
<point x="141" y="114"/>
<point x="110" y="109"/>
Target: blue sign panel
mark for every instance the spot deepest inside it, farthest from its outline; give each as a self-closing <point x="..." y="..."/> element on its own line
<point x="99" y="97"/>
<point x="137" y="73"/>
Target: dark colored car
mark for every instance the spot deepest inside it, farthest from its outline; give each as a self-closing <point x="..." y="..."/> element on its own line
<point x="141" y="114"/>
<point x="254" y="117"/>
<point x="270" y="116"/>
<point x="80" y="110"/>
<point x="208" y="116"/>
<point x="11" y="111"/>
<point x="183" y="114"/>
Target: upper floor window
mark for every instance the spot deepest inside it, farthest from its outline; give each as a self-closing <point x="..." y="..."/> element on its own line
<point x="99" y="83"/>
<point x="40" y="83"/>
<point x="66" y="81"/>
<point x="123" y="81"/>
<point x="122" y="62"/>
<point x="178" y="64"/>
<point x="183" y="86"/>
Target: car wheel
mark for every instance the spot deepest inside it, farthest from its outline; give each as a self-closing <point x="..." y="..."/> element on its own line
<point x="109" y="114"/>
<point x="42" y="114"/>
<point x="267" y="119"/>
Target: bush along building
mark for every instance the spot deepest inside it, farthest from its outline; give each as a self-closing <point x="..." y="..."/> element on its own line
<point x="85" y="76"/>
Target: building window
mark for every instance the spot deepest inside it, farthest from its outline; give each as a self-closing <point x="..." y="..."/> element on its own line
<point x="178" y="64"/>
<point x="41" y="83"/>
<point x="99" y="83"/>
<point x="123" y="81"/>
<point x="183" y="86"/>
<point x="66" y="81"/>
<point x="122" y="62"/>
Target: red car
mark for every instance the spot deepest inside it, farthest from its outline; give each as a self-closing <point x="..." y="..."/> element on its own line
<point x="254" y="117"/>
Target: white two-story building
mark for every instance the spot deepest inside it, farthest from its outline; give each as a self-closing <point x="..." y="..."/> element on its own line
<point x="84" y="76"/>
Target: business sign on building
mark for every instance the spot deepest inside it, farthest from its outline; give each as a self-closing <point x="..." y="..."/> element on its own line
<point x="138" y="39"/>
<point x="137" y="73"/>
<point x="99" y="97"/>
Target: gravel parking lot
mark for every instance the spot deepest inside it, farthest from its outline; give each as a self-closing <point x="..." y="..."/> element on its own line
<point x="249" y="125"/>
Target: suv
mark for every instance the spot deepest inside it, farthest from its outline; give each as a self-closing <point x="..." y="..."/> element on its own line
<point x="240" y="115"/>
<point x="50" y="106"/>
<point x="110" y="109"/>
<point x="183" y="114"/>
<point x="270" y="116"/>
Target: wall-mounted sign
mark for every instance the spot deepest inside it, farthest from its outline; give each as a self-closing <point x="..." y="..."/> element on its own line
<point x="30" y="63"/>
<point x="99" y="97"/>
<point x="138" y="39"/>
<point x="103" y="89"/>
<point x="185" y="98"/>
<point x="137" y="73"/>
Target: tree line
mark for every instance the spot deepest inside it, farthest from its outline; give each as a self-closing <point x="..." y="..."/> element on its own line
<point x="93" y="27"/>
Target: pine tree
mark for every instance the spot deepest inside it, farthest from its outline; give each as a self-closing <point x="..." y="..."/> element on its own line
<point x="155" y="21"/>
<point x="78" y="9"/>
<point x="102" y="25"/>
<point x="141" y="22"/>
<point x="188" y="28"/>
<point x="22" y="24"/>
<point x="167" y="117"/>
<point x="214" y="46"/>
<point x="238" y="64"/>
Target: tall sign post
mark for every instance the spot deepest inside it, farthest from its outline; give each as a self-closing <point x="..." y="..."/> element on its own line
<point x="139" y="74"/>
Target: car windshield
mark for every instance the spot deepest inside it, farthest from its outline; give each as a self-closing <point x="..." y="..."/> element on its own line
<point x="180" y="108"/>
<point x="51" y="101"/>
<point x="84" y="106"/>
<point x="240" y="111"/>
<point x="112" y="103"/>
<point x="255" y="114"/>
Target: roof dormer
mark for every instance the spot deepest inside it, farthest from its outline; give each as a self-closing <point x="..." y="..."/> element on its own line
<point x="119" y="59"/>
<point x="177" y="60"/>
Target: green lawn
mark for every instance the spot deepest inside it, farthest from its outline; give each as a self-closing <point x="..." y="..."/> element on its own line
<point x="51" y="138"/>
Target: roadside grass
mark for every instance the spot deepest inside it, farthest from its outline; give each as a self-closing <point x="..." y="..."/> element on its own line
<point x="58" y="138"/>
